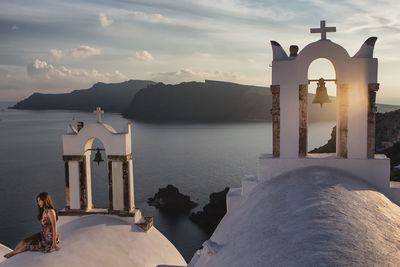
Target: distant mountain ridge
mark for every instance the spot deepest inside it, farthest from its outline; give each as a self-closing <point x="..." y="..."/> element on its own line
<point x="215" y="101"/>
<point x="209" y="101"/>
<point x="112" y="97"/>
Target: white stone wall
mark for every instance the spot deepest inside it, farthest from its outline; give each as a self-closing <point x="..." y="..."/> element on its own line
<point x="117" y="186"/>
<point x="131" y="186"/>
<point x="74" y="190"/>
<point x="89" y="181"/>
<point x="375" y="172"/>
<point x="114" y="143"/>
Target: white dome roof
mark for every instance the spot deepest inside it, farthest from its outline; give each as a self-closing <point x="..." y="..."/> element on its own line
<point x="103" y="240"/>
<point x="309" y="217"/>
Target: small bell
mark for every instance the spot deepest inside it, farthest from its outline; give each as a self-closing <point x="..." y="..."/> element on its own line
<point x="98" y="158"/>
<point x="321" y="95"/>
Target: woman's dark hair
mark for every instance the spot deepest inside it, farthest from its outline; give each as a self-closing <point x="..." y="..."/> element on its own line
<point x="47" y="203"/>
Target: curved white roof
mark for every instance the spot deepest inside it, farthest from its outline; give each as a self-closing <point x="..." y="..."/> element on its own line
<point x="103" y="240"/>
<point x="309" y="217"/>
<point x="3" y="250"/>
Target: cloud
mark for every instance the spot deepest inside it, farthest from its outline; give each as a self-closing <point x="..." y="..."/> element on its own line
<point x="82" y="51"/>
<point x="44" y="75"/>
<point x="14" y="27"/>
<point x="142" y="56"/>
<point x="185" y="75"/>
<point x="203" y="55"/>
<point x="104" y="21"/>
<point x="10" y="77"/>
<point x="17" y="82"/>
<point x="39" y="68"/>
<point x="158" y="18"/>
<point x="148" y="17"/>
<point x="230" y="11"/>
<point x="56" y="53"/>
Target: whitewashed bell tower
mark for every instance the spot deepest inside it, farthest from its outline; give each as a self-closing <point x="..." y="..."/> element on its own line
<point x="76" y="154"/>
<point x="77" y="145"/>
<point x="356" y="87"/>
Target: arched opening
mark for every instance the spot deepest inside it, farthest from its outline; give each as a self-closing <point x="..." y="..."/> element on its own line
<point x="98" y="189"/>
<point x="321" y="119"/>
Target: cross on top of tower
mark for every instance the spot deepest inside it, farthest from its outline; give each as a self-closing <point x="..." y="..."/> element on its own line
<point x="98" y="112"/>
<point x="323" y="30"/>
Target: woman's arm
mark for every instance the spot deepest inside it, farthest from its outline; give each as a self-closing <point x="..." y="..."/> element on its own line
<point x="52" y="217"/>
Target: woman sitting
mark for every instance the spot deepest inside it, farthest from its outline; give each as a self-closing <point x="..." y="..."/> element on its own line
<point x="46" y="240"/>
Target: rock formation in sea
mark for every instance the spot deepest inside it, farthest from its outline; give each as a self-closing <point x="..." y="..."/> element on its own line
<point x="170" y="200"/>
<point x="212" y="213"/>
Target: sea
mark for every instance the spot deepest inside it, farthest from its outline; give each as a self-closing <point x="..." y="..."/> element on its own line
<point x="197" y="158"/>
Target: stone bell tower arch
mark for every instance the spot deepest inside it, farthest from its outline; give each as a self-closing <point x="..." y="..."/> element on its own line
<point x="356" y="80"/>
<point x="356" y="83"/>
<point x="76" y="155"/>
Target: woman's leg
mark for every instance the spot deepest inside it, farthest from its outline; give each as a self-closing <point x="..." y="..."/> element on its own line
<point x="23" y="246"/>
<point x="20" y="244"/>
<point x="19" y="249"/>
<point x="10" y="254"/>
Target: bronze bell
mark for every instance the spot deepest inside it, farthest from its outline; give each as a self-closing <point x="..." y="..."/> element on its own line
<point x="98" y="158"/>
<point x="321" y="95"/>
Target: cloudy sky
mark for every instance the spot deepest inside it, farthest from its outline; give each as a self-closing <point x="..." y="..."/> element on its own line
<point x="56" y="46"/>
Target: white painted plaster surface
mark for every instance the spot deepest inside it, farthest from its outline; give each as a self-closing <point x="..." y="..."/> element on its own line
<point x="248" y="183"/>
<point x="131" y="186"/>
<point x="373" y="171"/>
<point x="114" y="143"/>
<point x="89" y="181"/>
<point x="118" y="187"/>
<point x="3" y="250"/>
<point x="309" y="217"/>
<point x="74" y="190"/>
<point x="233" y="198"/>
<point x="356" y="72"/>
<point x="104" y="240"/>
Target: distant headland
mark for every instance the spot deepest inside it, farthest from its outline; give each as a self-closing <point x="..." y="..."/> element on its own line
<point x="148" y="101"/>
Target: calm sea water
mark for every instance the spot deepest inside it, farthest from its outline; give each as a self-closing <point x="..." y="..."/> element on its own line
<point x="197" y="158"/>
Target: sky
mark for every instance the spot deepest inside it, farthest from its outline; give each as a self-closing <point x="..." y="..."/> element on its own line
<point x="54" y="46"/>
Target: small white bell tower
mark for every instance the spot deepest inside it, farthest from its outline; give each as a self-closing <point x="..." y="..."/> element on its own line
<point x="77" y="148"/>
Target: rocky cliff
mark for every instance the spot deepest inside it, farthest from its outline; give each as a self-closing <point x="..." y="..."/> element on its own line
<point x="210" y="101"/>
<point x="112" y="97"/>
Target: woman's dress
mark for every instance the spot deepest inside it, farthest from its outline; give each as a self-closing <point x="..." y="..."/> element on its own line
<point x="43" y="240"/>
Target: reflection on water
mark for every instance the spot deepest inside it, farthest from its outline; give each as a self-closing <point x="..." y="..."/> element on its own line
<point x="197" y="158"/>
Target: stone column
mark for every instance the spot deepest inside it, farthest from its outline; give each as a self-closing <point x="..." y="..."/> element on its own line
<point x="342" y="128"/>
<point x="126" y="180"/>
<point x="275" y="111"/>
<point x="83" y="184"/>
<point x="80" y="174"/>
<point x="110" y="186"/>
<point x="303" y="94"/>
<point x="372" y="89"/>
<point x="67" y="195"/>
